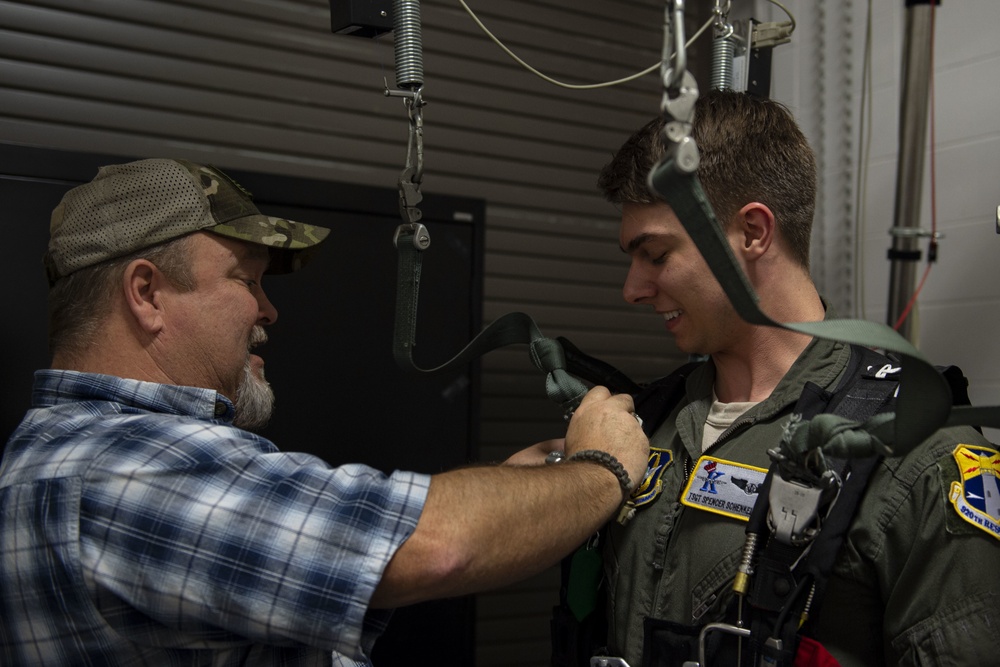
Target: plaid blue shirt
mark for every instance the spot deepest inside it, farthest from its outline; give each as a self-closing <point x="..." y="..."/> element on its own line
<point x="139" y="527"/>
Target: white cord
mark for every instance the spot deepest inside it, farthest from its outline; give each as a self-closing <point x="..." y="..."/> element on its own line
<point x="591" y="86"/>
<point x="864" y="158"/>
<point x="785" y="9"/>
<point x="586" y="86"/>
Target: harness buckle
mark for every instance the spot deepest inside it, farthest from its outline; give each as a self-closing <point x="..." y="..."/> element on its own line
<point x="409" y="196"/>
<point x="794" y="510"/>
<point x="421" y="237"/>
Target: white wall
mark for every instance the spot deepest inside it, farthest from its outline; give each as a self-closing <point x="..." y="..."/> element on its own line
<point x="958" y="310"/>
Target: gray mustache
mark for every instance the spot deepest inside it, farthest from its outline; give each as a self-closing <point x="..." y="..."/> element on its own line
<point x="258" y="336"/>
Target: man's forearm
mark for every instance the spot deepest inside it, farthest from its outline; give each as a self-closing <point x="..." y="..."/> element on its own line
<point x="486" y="527"/>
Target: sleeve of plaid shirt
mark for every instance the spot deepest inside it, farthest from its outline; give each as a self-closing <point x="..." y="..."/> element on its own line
<point x="206" y="536"/>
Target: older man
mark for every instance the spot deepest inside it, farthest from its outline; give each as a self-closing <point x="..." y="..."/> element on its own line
<point x="144" y="524"/>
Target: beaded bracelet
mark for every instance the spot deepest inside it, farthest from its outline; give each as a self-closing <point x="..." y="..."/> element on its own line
<point x="609" y="462"/>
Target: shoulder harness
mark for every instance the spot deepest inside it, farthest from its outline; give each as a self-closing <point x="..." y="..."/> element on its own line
<point x="781" y="585"/>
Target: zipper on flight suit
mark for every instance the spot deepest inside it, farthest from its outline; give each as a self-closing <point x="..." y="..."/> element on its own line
<point x="738" y="425"/>
<point x="735" y="427"/>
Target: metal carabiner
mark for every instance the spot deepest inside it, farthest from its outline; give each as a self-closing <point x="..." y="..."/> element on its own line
<point x="674" y="25"/>
<point x="680" y="92"/>
<point x="415" y="143"/>
<point x="678" y="113"/>
<point x="721" y="12"/>
<point x="413" y="171"/>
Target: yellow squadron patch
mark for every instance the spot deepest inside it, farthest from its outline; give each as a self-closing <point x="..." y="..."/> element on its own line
<point x="976" y="497"/>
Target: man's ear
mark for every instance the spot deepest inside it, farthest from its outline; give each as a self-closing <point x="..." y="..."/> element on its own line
<point x="755" y="223"/>
<point x="142" y="283"/>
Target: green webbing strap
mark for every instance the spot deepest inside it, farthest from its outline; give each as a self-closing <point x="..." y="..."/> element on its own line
<point x="924" y="403"/>
<point x="546" y="354"/>
<point x="975" y="415"/>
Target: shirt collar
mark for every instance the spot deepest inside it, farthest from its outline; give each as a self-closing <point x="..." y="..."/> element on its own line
<point x="822" y="361"/>
<point x="54" y="387"/>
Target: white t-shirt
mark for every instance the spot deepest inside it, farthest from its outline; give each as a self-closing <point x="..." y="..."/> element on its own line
<point x="720" y="417"/>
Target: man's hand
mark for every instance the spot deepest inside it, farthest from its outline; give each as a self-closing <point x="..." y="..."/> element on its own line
<point x="607" y="423"/>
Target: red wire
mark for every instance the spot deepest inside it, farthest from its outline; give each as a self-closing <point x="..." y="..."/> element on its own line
<point x="932" y="249"/>
<point x="913" y="299"/>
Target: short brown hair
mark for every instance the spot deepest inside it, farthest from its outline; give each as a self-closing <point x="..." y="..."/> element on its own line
<point x="79" y="302"/>
<point x="751" y="150"/>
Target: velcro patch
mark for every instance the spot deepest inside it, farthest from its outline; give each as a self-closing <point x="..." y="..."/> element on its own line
<point x="651" y="486"/>
<point x="723" y="487"/>
<point x="976" y="497"/>
<point x="652" y="483"/>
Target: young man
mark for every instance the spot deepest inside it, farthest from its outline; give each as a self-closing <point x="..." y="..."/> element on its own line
<point x="142" y="524"/>
<point x="907" y="587"/>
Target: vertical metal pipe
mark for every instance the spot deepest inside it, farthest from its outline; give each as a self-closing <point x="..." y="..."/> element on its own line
<point x="913" y="112"/>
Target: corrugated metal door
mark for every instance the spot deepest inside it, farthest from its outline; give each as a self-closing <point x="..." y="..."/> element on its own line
<point x="263" y="85"/>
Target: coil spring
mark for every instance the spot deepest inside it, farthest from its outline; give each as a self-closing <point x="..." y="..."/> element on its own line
<point x="722" y="63"/>
<point x="408" y="44"/>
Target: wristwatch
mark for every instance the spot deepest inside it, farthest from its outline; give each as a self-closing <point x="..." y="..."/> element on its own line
<point x="555" y="456"/>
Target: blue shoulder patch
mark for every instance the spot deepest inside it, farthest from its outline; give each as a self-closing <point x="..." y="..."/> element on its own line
<point x="651" y="486"/>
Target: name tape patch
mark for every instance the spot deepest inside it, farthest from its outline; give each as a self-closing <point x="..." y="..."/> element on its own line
<point x="723" y="487"/>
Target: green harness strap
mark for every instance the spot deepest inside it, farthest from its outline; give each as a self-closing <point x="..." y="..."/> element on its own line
<point x="546" y="353"/>
<point x="924" y="404"/>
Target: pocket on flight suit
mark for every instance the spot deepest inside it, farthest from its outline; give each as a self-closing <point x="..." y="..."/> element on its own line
<point x="711" y="596"/>
<point x="666" y="643"/>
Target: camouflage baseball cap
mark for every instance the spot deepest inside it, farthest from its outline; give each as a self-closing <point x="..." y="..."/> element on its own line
<point x="128" y="207"/>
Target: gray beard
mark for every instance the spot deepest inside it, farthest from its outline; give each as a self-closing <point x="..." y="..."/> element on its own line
<point x="254" y="397"/>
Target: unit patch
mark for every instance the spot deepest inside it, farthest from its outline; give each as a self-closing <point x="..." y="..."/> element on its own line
<point x="723" y="487"/>
<point x="976" y="497"/>
<point x="651" y="486"/>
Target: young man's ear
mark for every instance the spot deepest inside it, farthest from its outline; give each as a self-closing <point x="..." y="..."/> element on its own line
<point x="141" y="284"/>
<point x="756" y="227"/>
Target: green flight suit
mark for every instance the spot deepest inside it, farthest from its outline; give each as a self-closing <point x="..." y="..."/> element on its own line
<point x="914" y="583"/>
